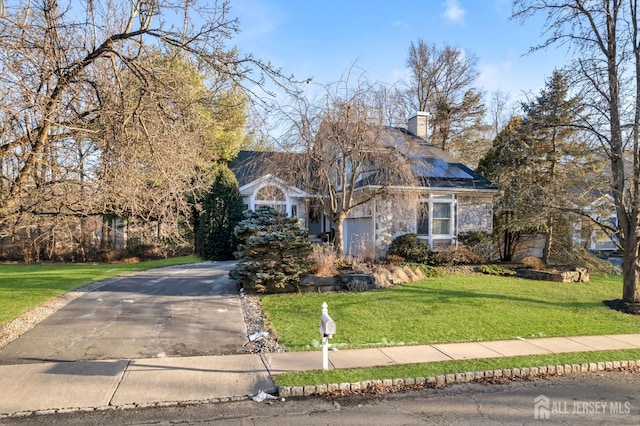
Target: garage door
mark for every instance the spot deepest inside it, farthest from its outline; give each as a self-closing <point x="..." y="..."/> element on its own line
<point x="358" y="237"/>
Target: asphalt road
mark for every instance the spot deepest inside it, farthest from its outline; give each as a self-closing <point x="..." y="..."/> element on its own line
<point x="607" y="398"/>
<point x="187" y="310"/>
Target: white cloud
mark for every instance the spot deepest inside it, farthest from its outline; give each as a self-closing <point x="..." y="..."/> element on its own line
<point x="494" y="76"/>
<point x="454" y="12"/>
<point x="400" y="24"/>
<point x="399" y="75"/>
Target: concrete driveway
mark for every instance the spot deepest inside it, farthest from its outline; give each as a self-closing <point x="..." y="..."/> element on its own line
<point x="180" y="311"/>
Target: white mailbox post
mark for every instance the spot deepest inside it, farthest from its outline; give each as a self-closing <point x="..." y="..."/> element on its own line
<point x="327" y="330"/>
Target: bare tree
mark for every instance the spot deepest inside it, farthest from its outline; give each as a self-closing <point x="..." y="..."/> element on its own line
<point x="171" y="130"/>
<point x="346" y="156"/>
<point x="605" y="38"/>
<point x="499" y="113"/>
<point x="82" y="98"/>
<point x="441" y="84"/>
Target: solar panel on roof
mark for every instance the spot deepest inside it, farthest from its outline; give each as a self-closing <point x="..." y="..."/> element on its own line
<point x="438" y="168"/>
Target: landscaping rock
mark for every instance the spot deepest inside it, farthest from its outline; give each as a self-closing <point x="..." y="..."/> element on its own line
<point x="317" y="284"/>
<point x="357" y="282"/>
<point x="578" y="275"/>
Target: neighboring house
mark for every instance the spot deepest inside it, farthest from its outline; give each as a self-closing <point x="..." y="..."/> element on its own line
<point x="449" y="199"/>
<point x="588" y="235"/>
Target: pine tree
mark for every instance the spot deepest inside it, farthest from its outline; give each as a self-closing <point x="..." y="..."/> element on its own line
<point x="502" y="165"/>
<point x="222" y="210"/>
<point x="556" y="157"/>
<point x="274" y="251"/>
<point x="540" y="165"/>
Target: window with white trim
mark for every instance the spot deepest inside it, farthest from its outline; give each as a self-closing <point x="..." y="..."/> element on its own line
<point x="441" y="219"/>
<point x="423" y="219"/>
<point x="435" y="217"/>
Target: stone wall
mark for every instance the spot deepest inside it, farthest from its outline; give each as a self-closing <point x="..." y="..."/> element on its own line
<point x="395" y="216"/>
<point x="475" y="213"/>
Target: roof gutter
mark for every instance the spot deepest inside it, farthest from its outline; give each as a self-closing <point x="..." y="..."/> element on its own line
<point x="429" y="189"/>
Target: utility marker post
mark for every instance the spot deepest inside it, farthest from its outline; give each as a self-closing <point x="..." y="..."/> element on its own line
<point x="327" y="330"/>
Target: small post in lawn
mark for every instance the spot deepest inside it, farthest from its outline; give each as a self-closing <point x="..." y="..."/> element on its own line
<point x="327" y="330"/>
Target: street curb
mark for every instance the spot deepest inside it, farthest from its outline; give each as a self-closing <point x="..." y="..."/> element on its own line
<point x="444" y="380"/>
<point x="388" y="385"/>
<point x="161" y="404"/>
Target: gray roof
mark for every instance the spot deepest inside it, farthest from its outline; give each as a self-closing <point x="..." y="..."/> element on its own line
<point x="251" y="165"/>
<point x="434" y="167"/>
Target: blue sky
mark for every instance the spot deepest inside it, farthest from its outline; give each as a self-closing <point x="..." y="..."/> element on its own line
<point x="323" y="39"/>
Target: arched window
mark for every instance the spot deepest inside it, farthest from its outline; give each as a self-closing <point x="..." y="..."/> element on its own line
<point x="270" y="193"/>
<point x="271" y="196"/>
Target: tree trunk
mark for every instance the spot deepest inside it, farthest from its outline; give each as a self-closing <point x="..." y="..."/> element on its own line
<point x="631" y="271"/>
<point x="107" y="239"/>
<point x="507" y="255"/>
<point x="548" y="241"/>
<point x="195" y="226"/>
<point x="338" y="240"/>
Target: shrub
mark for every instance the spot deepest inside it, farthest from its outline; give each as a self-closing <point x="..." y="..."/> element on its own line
<point x="496" y="270"/>
<point x="145" y="251"/>
<point x="461" y="255"/>
<point x="430" y="271"/>
<point x="480" y="243"/>
<point x="473" y="238"/>
<point x="410" y="248"/>
<point x="533" y="263"/>
<point x="274" y="252"/>
<point x="222" y="210"/>
<point x="323" y="260"/>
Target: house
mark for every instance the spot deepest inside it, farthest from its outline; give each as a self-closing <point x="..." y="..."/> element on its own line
<point x="590" y="236"/>
<point x="259" y="188"/>
<point x="447" y="199"/>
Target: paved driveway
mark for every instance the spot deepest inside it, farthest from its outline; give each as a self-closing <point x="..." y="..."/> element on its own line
<point x="188" y="310"/>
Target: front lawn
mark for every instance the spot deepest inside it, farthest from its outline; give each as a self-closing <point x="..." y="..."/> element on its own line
<point x="452" y="308"/>
<point x="23" y="287"/>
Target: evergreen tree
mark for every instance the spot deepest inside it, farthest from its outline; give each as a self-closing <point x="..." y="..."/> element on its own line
<point x="540" y="166"/>
<point x="556" y="156"/>
<point x="501" y="165"/>
<point x="274" y="251"/>
<point x="222" y="210"/>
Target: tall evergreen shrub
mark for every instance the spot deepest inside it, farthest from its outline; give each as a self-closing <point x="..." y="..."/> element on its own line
<point x="222" y="210"/>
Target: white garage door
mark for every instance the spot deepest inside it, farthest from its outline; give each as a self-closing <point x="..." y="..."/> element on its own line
<point x="358" y="237"/>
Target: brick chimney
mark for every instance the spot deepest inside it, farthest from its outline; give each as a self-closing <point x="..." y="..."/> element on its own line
<point x="418" y="125"/>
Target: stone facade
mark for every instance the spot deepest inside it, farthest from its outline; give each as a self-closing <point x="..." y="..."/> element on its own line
<point x="395" y="216"/>
<point x="475" y="213"/>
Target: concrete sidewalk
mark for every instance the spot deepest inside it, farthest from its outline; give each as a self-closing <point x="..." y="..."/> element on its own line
<point x="85" y="385"/>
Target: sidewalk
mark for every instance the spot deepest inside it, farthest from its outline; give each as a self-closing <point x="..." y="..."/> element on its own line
<point x="86" y="385"/>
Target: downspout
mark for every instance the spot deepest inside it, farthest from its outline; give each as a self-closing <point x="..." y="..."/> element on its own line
<point x="455" y="218"/>
<point x="374" y="223"/>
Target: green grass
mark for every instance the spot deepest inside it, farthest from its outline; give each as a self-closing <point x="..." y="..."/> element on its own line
<point x="23" y="287"/>
<point x="452" y="308"/>
<point x="309" y="378"/>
